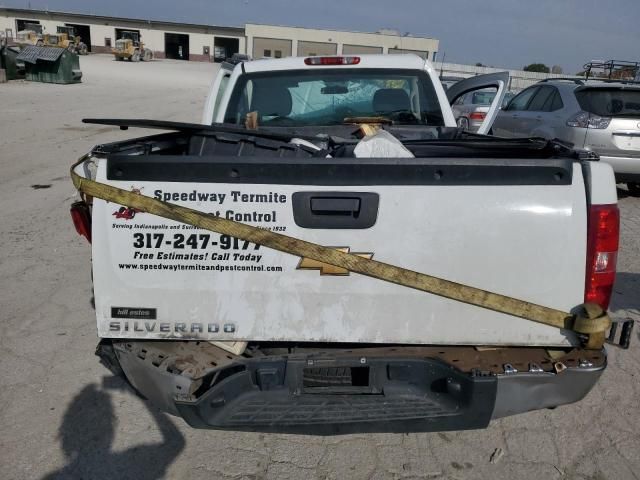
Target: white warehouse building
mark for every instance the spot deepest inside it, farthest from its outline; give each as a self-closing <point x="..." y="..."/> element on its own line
<point x="275" y="41"/>
<point x="200" y="42"/>
<point x="167" y="39"/>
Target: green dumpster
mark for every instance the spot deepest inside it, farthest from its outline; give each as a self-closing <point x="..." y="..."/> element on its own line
<point x="13" y="68"/>
<point x="50" y="64"/>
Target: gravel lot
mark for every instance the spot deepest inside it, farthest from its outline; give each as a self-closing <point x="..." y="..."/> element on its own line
<point x="64" y="416"/>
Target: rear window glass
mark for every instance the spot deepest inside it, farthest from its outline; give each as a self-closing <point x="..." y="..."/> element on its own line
<point x="329" y="96"/>
<point x="610" y="102"/>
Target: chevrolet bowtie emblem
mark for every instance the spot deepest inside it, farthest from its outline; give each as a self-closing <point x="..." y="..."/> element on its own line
<point x="326" y="269"/>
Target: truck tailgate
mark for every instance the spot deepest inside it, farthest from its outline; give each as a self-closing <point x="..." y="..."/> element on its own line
<point x="515" y="227"/>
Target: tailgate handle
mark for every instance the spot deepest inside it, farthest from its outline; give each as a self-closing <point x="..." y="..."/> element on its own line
<point x="335" y="206"/>
<point x="335" y="209"/>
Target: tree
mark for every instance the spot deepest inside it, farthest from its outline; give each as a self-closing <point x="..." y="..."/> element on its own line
<point x="556" y="69"/>
<point x="537" y="67"/>
<point x="478" y="64"/>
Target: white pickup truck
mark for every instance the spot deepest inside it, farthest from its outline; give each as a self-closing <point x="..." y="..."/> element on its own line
<point x="234" y="335"/>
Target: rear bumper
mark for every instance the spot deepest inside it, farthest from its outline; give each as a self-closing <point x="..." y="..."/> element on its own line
<point x="422" y="395"/>
<point x="524" y="392"/>
<point x="329" y="393"/>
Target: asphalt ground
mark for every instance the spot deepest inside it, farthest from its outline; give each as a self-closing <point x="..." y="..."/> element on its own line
<point x="63" y="415"/>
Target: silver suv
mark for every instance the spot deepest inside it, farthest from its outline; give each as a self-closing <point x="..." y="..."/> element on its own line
<point x="595" y="115"/>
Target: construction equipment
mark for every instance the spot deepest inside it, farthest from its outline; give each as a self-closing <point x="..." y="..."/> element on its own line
<point x="67" y="38"/>
<point x="130" y="47"/>
<point x="31" y="35"/>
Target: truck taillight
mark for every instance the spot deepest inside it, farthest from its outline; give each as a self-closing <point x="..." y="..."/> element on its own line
<point x="332" y="60"/>
<point x="477" y="115"/>
<point x="603" y="229"/>
<point x="81" y="216"/>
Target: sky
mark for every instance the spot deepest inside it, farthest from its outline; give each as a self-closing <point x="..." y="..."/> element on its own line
<point x="501" y="33"/>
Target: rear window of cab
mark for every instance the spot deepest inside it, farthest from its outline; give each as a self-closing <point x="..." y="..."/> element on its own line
<point x="330" y="96"/>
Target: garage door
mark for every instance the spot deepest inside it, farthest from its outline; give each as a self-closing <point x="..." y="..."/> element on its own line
<point x="362" y="49"/>
<point x="176" y="46"/>
<point x="271" y="48"/>
<point x="308" y="49"/>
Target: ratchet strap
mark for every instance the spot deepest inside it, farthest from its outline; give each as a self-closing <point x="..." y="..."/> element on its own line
<point x="589" y="320"/>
